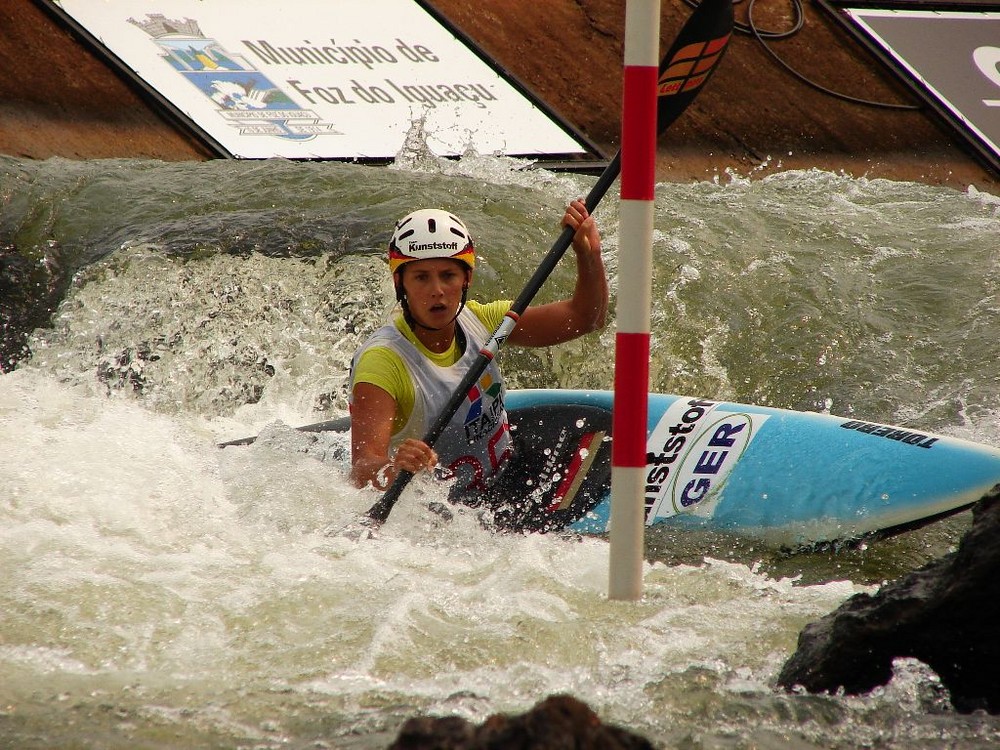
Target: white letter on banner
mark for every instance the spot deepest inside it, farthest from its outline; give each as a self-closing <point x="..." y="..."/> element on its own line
<point x="987" y="59"/>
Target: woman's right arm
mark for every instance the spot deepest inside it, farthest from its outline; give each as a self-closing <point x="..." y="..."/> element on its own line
<point x="372" y="413"/>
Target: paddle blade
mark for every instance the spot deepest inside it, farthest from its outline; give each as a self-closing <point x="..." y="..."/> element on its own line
<point x="692" y="59"/>
<point x="341" y="424"/>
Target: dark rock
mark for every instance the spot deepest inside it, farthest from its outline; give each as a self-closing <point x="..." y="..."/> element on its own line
<point x="442" y="733"/>
<point x="31" y="285"/>
<point x="944" y="614"/>
<point x="560" y="722"/>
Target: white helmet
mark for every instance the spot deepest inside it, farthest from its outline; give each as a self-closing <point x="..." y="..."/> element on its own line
<point x="430" y="233"/>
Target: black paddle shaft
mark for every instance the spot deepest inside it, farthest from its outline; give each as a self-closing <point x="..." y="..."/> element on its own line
<point x="691" y="60"/>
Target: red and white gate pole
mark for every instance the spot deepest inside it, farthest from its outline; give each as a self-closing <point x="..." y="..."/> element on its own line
<point x="638" y="175"/>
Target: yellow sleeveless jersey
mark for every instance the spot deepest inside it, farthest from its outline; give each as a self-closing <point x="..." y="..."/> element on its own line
<point x="382" y="367"/>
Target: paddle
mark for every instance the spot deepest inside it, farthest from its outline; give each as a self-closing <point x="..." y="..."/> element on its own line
<point x="691" y="60"/>
<point x="340" y="424"/>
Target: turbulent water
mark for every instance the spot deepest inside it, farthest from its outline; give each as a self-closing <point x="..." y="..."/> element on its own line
<point x="160" y="592"/>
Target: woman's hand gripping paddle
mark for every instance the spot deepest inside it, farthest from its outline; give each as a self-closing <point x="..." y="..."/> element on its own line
<point x="691" y="60"/>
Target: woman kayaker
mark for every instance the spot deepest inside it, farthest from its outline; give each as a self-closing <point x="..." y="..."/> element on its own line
<point x="406" y="372"/>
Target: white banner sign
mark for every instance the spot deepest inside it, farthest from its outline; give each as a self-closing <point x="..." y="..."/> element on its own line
<point x="317" y="79"/>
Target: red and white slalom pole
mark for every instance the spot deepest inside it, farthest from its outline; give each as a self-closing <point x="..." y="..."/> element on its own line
<point x="638" y="176"/>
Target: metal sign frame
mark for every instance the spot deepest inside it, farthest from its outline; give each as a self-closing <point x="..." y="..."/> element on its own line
<point x="952" y="62"/>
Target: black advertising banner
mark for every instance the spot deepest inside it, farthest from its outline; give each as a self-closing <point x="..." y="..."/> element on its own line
<point x="949" y="54"/>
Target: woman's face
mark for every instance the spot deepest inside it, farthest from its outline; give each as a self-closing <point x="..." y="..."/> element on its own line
<point x="434" y="289"/>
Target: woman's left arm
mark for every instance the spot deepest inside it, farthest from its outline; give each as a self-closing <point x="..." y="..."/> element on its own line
<point x="587" y="309"/>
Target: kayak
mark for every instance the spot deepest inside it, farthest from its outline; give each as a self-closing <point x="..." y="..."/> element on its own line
<point x="785" y="477"/>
